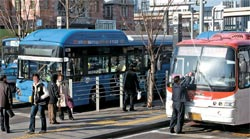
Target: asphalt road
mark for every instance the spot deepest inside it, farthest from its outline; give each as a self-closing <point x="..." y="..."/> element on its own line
<point x="196" y="130"/>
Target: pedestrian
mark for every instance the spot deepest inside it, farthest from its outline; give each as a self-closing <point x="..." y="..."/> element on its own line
<point x="53" y="98"/>
<point x="179" y="97"/>
<point x="38" y="100"/>
<point x="65" y="99"/>
<point x="131" y="85"/>
<point x="5" y="103"/>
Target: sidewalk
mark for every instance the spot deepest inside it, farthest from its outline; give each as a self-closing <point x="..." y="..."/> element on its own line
<point x="107" y="123"/>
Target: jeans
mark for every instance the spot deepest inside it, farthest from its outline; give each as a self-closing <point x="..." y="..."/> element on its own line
<point x="177" y="116"/>
<point x="33" y="112"/>
<point x="4" y="120"/>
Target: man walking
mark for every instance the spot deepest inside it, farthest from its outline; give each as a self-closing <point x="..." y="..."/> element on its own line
<point x="5" y="103"/>
<point x="179" y="98"/>
<point x="131" y="85"/>
<point x="38" y="101"/>
<point x="53" y="98"/>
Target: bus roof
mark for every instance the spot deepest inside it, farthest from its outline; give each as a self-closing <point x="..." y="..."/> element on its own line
<point x="160" y="40"/>
<point x="76" y="37"/>
<point x="233" y="39"/>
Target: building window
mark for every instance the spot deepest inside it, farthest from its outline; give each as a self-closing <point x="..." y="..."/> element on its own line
<point x="124" y="11"/>
<point x="108" y="11"/>
<point x="96" y="6"/>
<point x="32" y="4"/>
<point x="123" y="1"/>
<point x="18" y="5"/>
<point x="145" y="6"/>
<point x="46" y="4"/>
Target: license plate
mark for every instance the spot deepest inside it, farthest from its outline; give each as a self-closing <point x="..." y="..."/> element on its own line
<point x="194" y="116"/>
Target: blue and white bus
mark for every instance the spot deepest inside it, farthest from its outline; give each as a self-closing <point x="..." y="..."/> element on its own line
<point x="81" y="55"/>
<point x="9" y="59"/>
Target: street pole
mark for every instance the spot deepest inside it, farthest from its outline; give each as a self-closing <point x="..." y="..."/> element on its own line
<point x="192" y="23"/>
<point x="201" y="16"/>
<point x="20" y="19"/>
<point x="166" y="21"/>
<point x="67" y="14"/>
<point x="213" y="11"/>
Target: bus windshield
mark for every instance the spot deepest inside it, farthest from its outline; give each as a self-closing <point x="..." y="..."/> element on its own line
<point x="44" y="68"/>
<point x="214" y="67"/>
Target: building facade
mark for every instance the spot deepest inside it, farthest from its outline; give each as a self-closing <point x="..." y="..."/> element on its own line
<point x="122" y="11"/>
<point x="245" y="20"/>
<point x="82" y="13"/>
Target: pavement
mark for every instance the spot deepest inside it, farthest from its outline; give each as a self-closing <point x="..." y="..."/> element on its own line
<point x="107" y="123"/>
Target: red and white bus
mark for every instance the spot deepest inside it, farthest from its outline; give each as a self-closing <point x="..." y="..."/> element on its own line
<point x="221" y="67"/>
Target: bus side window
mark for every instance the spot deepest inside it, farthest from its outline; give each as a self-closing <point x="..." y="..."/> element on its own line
<point x="244" y="69"/>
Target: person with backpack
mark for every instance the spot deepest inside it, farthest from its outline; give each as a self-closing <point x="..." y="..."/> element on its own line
<point x="39" y="99"/>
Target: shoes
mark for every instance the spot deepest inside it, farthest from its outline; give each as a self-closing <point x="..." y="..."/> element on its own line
<point x="132" y="110"/>
<point x="30" y="132"/>
<point x="172" y="130"/>
<point x="7" y="131"/>
<point x="55" y="123"/>
<point x="61" y="118"/>
<point x="180" y="132"/>
<point x="71" y="118"/>
<point x="124" y="110"/>
<point x="42" y="132"/>
<point x="3" y="129"/>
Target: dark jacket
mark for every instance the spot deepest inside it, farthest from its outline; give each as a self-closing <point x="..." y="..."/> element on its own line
<point x="53" y="93"/>
<point x="131" y="83"/>
<point x="5" y="95"/>
<point x="39" y="94"/>
<point x="180" y="93"/>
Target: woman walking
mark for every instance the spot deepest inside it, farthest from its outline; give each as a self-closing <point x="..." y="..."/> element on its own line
<point x="65" y="99"/>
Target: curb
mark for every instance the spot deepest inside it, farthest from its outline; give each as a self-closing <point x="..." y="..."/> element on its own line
<point x="133" y="130"/>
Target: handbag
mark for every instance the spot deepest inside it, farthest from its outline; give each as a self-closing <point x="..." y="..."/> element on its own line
<point x="70" y="102"/>
<point x="10" y="113"/>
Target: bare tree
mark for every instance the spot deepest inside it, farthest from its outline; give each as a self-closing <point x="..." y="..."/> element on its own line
<point x="152" y="22"/>
<point x="74" y="10"/>
<point x="19" y="16"/>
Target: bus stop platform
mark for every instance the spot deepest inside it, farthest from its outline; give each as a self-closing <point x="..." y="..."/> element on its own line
<point x="107" y="123"/>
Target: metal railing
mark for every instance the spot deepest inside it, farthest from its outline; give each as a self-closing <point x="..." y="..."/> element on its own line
<point x="99" y="90"/>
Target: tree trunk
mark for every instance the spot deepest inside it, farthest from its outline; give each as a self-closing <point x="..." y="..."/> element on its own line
<point x="151" y="80"/>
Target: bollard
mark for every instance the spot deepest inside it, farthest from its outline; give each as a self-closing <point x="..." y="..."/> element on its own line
<point x="71" y="91"/>
<point x="97" y="95"/>
<point x="121" y="91"/>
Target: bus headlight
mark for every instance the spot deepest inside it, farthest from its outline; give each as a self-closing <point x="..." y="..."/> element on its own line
<point x="18" y="91"/>
<point x="231" y="104"/>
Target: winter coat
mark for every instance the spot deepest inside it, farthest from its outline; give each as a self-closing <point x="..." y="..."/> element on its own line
<point x="131" y="82"/>
<point x="180" y="93"/>
<point x="5" y="95"/>
<point x="40" y="94"/>
<point x="53" y="93"/>
<point x="64" y="93"/>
